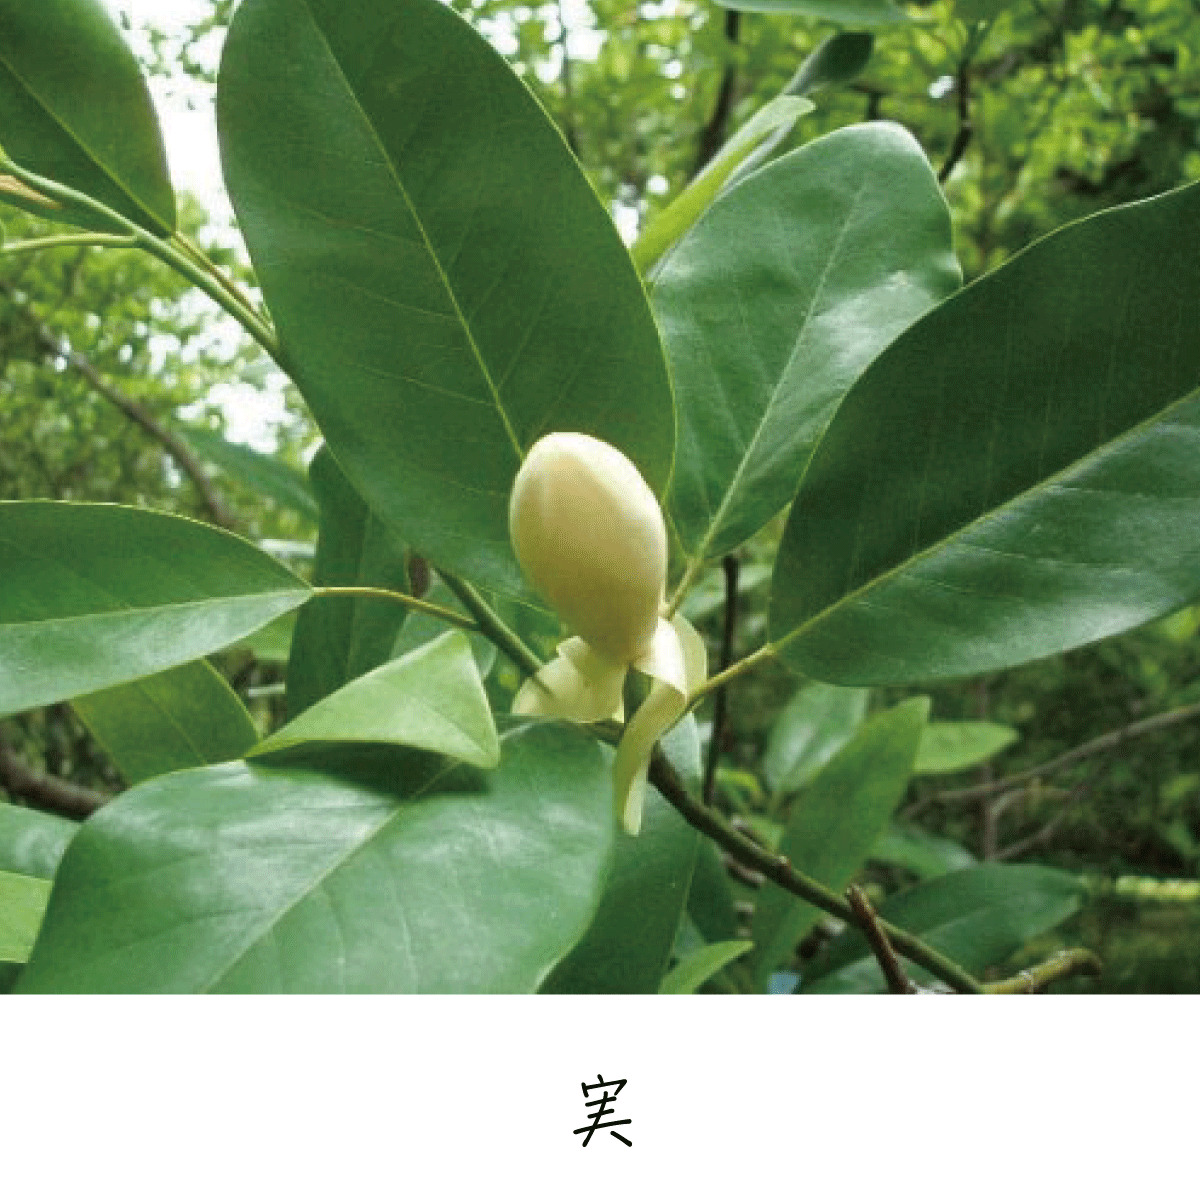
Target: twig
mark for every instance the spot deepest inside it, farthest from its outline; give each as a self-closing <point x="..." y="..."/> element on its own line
<point x="779" y="870"/>
<point x="138" y="414"/>
<point x="422" y="606"/>
<point x="720" y="708"/>
<point x="46" y="791"/>
<point x="897" y="981"/>
<point x="1062" y="965"/>
<point x="1106" y="741"/>
<point x="721" y="678"/>
<point x="965" y="131"/>
<point x="491" y="625"/>
<point x="713" y="134"/>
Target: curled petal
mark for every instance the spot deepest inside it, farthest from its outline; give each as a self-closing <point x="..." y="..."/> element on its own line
<point x="577" y="685"/>
<point x="678" y="663"/>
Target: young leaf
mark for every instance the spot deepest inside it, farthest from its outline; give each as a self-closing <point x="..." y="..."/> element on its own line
<point x="32" y="842"/>
<point x="810" y="729"/>
<point x="948" y="746"/>
<point x="98" y="594"/>
<point x="283" y="879"/>
<point x="22" y="905"/>
<point x="700" y="966"/>
<point x="432" y="699"/>
<point x="834" y="824"/>
<point x="185" y="717"/>
<point x="74" y="108"/>
<point x="1017" y="473"/>
<point x="977" y="917"/>
<point x="338" y="638"/>
<point x="774" y="304"/>
<point x="446" y="284"/>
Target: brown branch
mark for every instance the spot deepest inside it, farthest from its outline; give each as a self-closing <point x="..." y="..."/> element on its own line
<point x="174" y="445"/>
<point x="712" y="136"/>
<point x="1106" y="741"/>
<point x="721" y="705"/>
<point x="1058" y="966"/>
<point x="897" y="981"/>
<point x="965" y="131"/>
<point x="46" y="791"/>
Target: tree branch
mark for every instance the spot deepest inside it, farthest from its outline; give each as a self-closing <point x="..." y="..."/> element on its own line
<point x="1062" y="965"/>
<point x="897" y="981"/>
<point x="712" y="136"/>
<point x="720" y="708"/>
<point x="174" y="445"/>
<point x="46" y="791"/>
<point x="965" y="131"/>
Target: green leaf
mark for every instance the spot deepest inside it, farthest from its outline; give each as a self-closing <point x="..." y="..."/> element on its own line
<point x="74" y="108"/>
<point x="700" y="966"/>
<point x="273" y="642"/>
<point x="842" y="12"/>
<point x="817" y="261"/>
<point x="339" y="638"/>
<point x="446" y="284"/>
<point x="22" y="904"/>
<point x="1015" y="475"/>
<point x="32" y="842"/>
<point x="810" y="729"/>
<point x="977" y="917"/>
<point x="915" y="849"/>
<point x="272" y="879"/>
<point x="270" y="476"/>
<point x="834" y="824"/>
<point x="775" y="118"/>
<point x="948" y="746"/>
<point x="185" y="717"/>
<point x="98" y="594"/>
<point x="432" y="699"/>
<point x="710" y="898"/>
<point x="627" y="947"/>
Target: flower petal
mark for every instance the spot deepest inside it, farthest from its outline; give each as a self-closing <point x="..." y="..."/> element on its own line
<point x="576" y="685"/>
<point x="678" y="663"/>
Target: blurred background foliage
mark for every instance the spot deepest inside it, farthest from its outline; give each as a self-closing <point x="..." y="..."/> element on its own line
<point x="1049" y="111"/>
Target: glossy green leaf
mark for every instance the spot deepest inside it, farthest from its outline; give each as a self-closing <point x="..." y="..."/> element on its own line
<point x="775" y="118"/>
<point x="270" y="476"/>
<point x="74" y="108"/>
<point x="834" y="824"/>
<point x="1017" y="473"/>
<point x="774" y="304"/>
<point x="273" y="642"/>
<point x="432" y="699"/>
<point x="421" y="627"/>
<point x="810" y="729"/>
<point x="339" y="638"/>
<point x="948" y="746"/>
<point x="252" y="878"/>
<point x="628" y="945"/>
<point x="710" y="898"/>
<point x="446" y="284"/>
<point x="98" y="594"/>
<point x="842" y="12"/>
<point x="22" y="905"/>
<point x="185" y="717"/>
<point x="925" y="854"/>
<point x="977" y="917"/>
<point x="32" y="842"/>
<point x="700" y="966"/>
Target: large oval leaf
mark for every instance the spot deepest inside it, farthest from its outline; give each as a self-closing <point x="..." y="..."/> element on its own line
<point x="185" y="717"/>
<point x="249" y="878"/>
<point x="774" y="304"/>
<point x="22" y="904"/>
<point x="32" y="842"/>
<point x="97" y="594"/>
<point x="446" y="285"/>
<point x="1015" y="475"/>
<point x="74" y="108"/>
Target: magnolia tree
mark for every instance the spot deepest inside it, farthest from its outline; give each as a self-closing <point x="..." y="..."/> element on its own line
<point x="531" y="434"/>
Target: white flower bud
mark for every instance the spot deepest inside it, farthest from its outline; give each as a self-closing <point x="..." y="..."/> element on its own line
<point x="589" y="533"/>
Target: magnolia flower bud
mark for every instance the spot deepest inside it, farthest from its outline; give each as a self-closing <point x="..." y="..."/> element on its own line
<point x="589" y="533"/>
